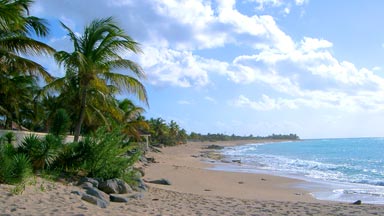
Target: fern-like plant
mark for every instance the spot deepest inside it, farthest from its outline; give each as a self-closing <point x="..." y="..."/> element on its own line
<point x="14" y="167"/>
<point x="42" y="152"/>
<point x="105" y="154"/>
<point x="9" y="137"/>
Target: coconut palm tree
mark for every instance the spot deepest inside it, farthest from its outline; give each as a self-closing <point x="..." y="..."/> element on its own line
<point x="17" y="72"/>
<point x="16" y="29"/>
<point x="16" y="96"/>
<point x="95" y="60"/>
<point x="132" y="120"/>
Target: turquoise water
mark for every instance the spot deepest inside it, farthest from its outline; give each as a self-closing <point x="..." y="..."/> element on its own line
<point x="334" y="169"/>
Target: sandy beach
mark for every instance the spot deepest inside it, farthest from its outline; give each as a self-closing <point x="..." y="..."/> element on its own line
<point x="194" y="190"/>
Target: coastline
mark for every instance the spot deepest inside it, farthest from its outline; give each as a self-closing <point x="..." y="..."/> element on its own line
<point x="184" y="164"/>
<point x="194" y="190"/>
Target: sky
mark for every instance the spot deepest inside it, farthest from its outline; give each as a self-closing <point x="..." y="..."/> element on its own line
<point x="310" y="67"/>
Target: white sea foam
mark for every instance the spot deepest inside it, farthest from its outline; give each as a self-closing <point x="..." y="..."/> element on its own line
<point x="347" y="167"/>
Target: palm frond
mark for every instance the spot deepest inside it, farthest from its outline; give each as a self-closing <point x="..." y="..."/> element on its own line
<point x="21" y="44"/>
<point x="130" y="84"/>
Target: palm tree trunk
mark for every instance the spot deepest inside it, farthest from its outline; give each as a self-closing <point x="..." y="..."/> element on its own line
<point x="81" y="115"/>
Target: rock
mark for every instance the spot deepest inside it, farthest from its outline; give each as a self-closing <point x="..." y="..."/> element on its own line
<point x="236" y="161"/>
<point x="358" y="202"/>
<point x="217" y="147"/>
<point x="86" y="184"/>
<point x="151" y="160"/>
<point x="97" y="193"/>
<point x="141" y="171"/>
<point x="143" y="159"/>
<point x="160" y="181"/>
<point x="115" y="186"/>
<point x="77" y="193"/>
<point x="139" y="185"/>
<point x="225" y="161"/>
<point x="117" y="198"/>
<point x="93" y="181"/>
<point x="94" y="200"/>
<point x="136" y="196"/>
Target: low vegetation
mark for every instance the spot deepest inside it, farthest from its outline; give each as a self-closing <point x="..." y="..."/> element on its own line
<point x="105" y="154"/>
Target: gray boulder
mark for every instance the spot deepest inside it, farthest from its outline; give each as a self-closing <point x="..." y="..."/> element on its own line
<point x="77" y="193"/>
<point x="160" y="181"/>
<point x="97" y="193"/>
<point x="94" y="196"/>
<point x="94" y="200"/>
<point x="117" y="198"/>
<point x="115" y="186"/>
<point x="139" y="185"/>
<point x="86" y="184"/>
<point x="358" y="202"/>
<point x="93" y="181"/>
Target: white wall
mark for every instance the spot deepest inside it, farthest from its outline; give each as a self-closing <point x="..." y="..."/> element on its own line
<point x="21" y="134"/>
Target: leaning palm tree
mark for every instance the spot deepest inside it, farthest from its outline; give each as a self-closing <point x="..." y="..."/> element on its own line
<point x="16" y="29"/>
<point x="96" y="58"/>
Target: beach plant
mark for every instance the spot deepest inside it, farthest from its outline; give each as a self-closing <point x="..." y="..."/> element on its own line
<point x="42" y="152"/>
<point x="105" y="154"/>
<point x="15" y="169"/>
<point x="93" y="63"/>
<point x="9" y="137"/>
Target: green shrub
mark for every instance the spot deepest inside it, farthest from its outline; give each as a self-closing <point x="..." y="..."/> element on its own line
<point x="15" y="169"/>
<point x="9" y="137"/>
<point x="105" y="154"/>
<point x="42" y="152"/>
<point x="71" y="157"/>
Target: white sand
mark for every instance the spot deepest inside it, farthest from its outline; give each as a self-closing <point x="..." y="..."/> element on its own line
<point x="194" y="191"/>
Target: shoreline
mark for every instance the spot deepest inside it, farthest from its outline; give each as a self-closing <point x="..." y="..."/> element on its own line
<point x="320" y="189"/>
<point x="194" y="190"/>
<point x="182" y="164"/>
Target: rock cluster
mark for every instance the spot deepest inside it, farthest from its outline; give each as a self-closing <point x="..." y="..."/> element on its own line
<point x="101" y="193"/>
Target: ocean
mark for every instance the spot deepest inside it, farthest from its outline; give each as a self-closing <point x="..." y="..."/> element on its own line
<point x="333" y="169"/>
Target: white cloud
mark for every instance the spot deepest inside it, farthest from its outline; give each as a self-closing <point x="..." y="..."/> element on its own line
<point x="313" y="44"/>
<point x="361" y="102"/>
<point x="271" y="3"/>
<point x="178" y="68"/>
<point x="287" y="10"/>
<point x="300" y="2"/>
<point x="265" y="104"/>
<point x="210" y="99"/>
<point x="172" y="31"/>
<point x="184" y="102"/>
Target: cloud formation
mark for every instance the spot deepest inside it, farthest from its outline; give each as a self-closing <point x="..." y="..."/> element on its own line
<point x="302" y="73"/>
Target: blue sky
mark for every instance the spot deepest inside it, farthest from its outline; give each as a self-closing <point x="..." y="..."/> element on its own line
<point x="314" y="68"/>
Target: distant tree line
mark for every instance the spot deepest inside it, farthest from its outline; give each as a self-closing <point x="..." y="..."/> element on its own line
<point x="223" y="137"/>
<point x="170" y="134"/>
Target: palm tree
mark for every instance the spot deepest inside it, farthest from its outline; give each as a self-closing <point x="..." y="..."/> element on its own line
<point x="133" y="122"/>
<point x="159" y="130"/>
<point x="94" y="61"/>
<point x="16" y="27"/>
<point x="16" y="97"/>
<point x="17" y="72"/>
